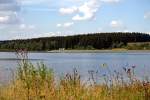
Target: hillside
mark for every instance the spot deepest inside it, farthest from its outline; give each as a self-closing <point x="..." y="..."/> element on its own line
<point x="85" y="41"/>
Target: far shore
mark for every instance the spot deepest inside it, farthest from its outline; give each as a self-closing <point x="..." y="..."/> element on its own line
<point x="98" y="51"/>
<point x="87" y="51"/>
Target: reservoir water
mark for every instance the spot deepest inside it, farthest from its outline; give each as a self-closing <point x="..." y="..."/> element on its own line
<point x="63" y="63"/>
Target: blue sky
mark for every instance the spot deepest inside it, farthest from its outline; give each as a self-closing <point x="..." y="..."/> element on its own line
<point x="42" y="18"/>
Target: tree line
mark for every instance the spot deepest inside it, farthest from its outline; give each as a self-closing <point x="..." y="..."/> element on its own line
<point x="85" y="41"/>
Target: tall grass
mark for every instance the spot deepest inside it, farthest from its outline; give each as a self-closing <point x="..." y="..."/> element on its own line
<point x="38" y="83"/>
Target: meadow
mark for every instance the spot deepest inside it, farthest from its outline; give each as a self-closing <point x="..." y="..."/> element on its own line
<point x="38" y="82"/>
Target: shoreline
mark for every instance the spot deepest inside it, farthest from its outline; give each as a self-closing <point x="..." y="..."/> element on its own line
<point x="99" y="51"/>
<point x="89" y="51"/>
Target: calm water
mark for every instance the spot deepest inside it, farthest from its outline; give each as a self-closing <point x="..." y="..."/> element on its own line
<point x="64" y="62"/>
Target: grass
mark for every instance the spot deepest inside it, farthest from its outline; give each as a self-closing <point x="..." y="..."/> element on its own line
<point x="38" y="83"/>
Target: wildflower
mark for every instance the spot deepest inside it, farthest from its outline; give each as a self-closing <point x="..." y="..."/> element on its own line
<point x="145" y="84"/>
<point x="124" y="69"/>
<point x="104" y="65"/>
<point x="129" y="72"/>
<point x="133" y="66"/>
<point x="91" y="71"/>
<point x="104" y="75"/>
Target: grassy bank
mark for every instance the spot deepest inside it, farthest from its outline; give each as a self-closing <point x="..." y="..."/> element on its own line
<point x="38" y="83"/>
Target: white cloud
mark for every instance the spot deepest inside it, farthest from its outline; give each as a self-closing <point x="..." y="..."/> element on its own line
<point x="116" y="24"/>
<point x="33" y="2"/>
<point x="99" y="29"/>
<point x="40" y="9"/>
<point x="126" y="30"/>
<point x="4" y="19"/>
<point x="9" y="18"/>
<point x="147" y="15"/>
<point x="33" y="35"/>
<point x="26" y="27"/>
<point x="110" y="1"/>
<point x="44" y="34"/>
<point x="85" y="11"/>
<point x="68" y="10"/>
<point x="88" y="9"/>
<point x="58" y="25"/>
<point x="65" y="25"/>
<point x="22" y="26"/>
<point x="68" y="24"/>
<point x="31" y="26"/>
<point x="9" y="10"/>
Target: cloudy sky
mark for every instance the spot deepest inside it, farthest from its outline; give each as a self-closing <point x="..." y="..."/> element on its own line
<point x="40" y="18"/>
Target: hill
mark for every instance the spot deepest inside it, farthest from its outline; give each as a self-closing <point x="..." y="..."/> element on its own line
<point x="85" y="41"/>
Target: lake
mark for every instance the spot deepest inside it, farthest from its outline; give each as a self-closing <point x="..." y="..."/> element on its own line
<point x="84" y="62"/>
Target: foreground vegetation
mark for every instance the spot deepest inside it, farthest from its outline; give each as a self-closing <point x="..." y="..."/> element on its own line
<point x="80" y="42"/>
<point x="39" y="83"/>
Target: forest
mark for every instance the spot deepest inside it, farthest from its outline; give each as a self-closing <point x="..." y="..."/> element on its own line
<point x="84" y="41"/>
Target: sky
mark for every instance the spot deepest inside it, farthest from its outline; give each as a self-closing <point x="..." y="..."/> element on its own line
<point x="21" y="19"/>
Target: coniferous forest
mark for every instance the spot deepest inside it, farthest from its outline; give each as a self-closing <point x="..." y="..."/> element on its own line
<point x="86" y="41"/>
